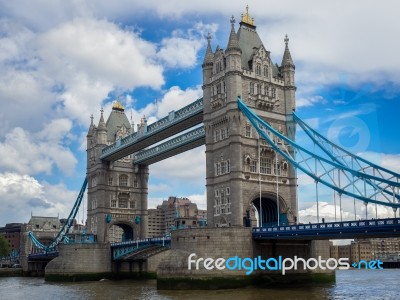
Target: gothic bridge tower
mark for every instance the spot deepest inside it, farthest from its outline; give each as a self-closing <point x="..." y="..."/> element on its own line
<point x="244" y="175"/>
<point x="117" y="191"/>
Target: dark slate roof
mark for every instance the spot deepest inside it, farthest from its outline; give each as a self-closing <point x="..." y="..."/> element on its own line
<point x="248" y="40"/>
<point x="115" y="121"/>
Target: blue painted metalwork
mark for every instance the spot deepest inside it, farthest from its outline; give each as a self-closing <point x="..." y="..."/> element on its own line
<point x="174" y="118"/>
<point x="331" y="230"/>
<point x="346" y="158"/>
<point x="66" y="227"/>
<point x="43" y="256"/>
<point x="326" y="167"/>
<point x="196" y="137"/>
<point x="122" y="249"/>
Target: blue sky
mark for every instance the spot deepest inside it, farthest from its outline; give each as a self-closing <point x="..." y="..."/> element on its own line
<point x="62" y="60"/>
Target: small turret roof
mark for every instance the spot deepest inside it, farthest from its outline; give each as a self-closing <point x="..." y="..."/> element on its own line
<point x="287" y="58"/>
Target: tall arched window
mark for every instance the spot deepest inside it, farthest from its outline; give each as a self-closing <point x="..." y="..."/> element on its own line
<point x="123" y="180"/>
<point x="258" y="69"/>
<point x="265" y="71"/>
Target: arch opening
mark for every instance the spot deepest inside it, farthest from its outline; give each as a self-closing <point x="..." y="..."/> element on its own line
<point x="120" y="232"/>
<point x="269" y="212"/>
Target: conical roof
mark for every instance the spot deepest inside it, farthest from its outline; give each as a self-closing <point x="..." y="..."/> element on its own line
<point x="287" y="58"/>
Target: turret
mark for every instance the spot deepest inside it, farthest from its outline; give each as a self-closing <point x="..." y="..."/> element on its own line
<point x="102" y="131"/>
<point x="287" y="70"/>
<point x="287" y="65"/>
<point x="208" y="61"/>
<point x="90" y="133"/>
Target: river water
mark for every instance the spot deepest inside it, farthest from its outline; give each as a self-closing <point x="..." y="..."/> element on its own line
<point x="350" y="284"/>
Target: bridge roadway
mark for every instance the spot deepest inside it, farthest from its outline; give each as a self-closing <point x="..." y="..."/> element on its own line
<point x="375" y="228"/>
<point x="176" y="122"/>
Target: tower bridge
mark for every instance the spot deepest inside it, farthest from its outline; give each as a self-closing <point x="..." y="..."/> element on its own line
<point x="246" y="120"/>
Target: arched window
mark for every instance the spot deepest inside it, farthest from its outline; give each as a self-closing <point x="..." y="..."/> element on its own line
<point x="123" y="180"/>
<point x="266" y="90"/>
<point x="265" y="71"/>
<point x="258" y="69"/>
<point x="252" y="88"/>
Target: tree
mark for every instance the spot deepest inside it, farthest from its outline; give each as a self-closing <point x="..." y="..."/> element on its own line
<point x="4" y="248"/>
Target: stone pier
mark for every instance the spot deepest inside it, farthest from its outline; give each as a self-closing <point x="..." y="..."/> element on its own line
<point x="173" y="271"/>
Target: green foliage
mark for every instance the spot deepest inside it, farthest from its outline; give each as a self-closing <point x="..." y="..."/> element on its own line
<point x="4" y="248"/>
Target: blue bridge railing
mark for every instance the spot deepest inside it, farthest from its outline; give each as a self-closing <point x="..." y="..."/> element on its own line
<point x="331" y="230"/>
<point x="122" y="249"/>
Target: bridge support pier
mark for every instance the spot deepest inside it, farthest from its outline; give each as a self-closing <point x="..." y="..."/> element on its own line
<point x="174" y="272"/>
<point x="78" y="262"/>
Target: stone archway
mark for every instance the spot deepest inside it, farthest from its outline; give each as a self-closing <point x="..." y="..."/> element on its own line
<point x="269" y="210"/>
<point x="120" y="232"/>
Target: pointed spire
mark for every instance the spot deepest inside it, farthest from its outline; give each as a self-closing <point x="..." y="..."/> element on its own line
<point x="233" y="42"/>
<point x="132" y="124"/>
<point x="287" y="58"/>
<point x="91" y="127"/>
<point x="102" y="124"/>
<point x="208" y="58"/>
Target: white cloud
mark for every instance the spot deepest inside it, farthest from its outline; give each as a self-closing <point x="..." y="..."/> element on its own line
<point x="199" y="199"/>
<point x="91" y="58"/>
<point x="28" y="153"/>
<point x="21" y="195"/>
<point x="181" y="49"/>
<point x="189" y="166"/>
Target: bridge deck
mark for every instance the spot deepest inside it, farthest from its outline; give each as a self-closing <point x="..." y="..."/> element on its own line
<point x="164" y="128"/>
<point x="332" y="230"/>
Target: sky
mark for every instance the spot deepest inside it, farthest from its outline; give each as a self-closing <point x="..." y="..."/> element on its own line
<point x="61" y="61"/>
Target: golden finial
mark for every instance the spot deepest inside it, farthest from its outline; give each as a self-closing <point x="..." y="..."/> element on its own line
<point x="246" y="17"/>
<point x="117" y="105"/>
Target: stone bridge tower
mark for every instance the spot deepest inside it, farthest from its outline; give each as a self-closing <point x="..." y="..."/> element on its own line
<point x="117" y="191"/>
<point x="244" y="174"/>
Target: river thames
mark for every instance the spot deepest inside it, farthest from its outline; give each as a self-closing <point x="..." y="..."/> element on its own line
<point x="350" y="284"/>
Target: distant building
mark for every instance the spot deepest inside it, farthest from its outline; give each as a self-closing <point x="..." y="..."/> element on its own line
<point x="12" y="233"/>
<point x="175" y="213"/>
<point x="367" y="249"/>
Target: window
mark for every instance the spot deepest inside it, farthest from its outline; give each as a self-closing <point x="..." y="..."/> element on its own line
<point x="259" y="89"/>
<point x="265" y="71"/>
<point x="252" y="88"/>
<point x="123" y="200"/>
<point x="123" y="180"/>
<point x="94" y="203"/>
<point x="228" y="166"/>
<point x="123" y="203"/>
<point x="113" y="203"/>
<point x="223" y="165"/>
<point x="110" y="181"/>
<point x="266" y="90"/>
<point x="132" y="204"/>
<point x="135" y="183"/>
<point x="265" y="165"/>
<point x="94" y="181"/>
<point x="217" y="169"/>
<point x="228" y="191"/>
<point x="258" y="69"/>
<point x="217" y="136"/>
<point x="216" y="193"/>
<point x="218" y="88"/>
<point x="222" y="133"/>
<point x="273" y="93"/>
<point x="253" y="166"/>
<point x="248" y="131"/>
<point x="277" y="168"/>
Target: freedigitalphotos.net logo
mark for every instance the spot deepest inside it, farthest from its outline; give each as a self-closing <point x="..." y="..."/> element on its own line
<point x="249" y="265"/>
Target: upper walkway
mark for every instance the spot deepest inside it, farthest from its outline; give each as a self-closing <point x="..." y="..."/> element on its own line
<point x="332" y="230"/>
<point x="176" y="122"/>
